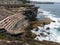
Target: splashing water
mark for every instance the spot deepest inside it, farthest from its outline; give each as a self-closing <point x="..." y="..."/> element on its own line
<point x="54" y="36"/>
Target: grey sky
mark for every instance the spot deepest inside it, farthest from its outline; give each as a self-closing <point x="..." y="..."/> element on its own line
<point x="47" y="0"/>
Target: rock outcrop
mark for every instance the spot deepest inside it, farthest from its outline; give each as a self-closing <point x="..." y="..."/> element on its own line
<point x="31" y="12"/>
<point x="15" y="19"/>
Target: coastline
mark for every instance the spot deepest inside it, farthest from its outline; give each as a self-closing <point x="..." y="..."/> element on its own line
<point x="28" y="36"/>
<point x="52" y="25"/>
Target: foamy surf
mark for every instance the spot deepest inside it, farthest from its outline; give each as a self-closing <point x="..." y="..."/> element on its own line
<point x="53" y="27"/>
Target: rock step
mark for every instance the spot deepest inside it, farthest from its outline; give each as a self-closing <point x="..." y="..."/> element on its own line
<point x="9" y="22"/>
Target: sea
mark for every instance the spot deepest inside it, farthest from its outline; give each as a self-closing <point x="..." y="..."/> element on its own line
<point x="51" y="11"/>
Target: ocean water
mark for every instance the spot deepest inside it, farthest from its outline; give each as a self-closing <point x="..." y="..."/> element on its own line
<point x="51" y="11"/>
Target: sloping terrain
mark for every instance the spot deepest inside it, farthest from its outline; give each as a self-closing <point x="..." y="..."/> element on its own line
<point x="4" y="13"/>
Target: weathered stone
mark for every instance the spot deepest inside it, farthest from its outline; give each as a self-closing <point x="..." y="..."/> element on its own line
<point x="31" y="13"/>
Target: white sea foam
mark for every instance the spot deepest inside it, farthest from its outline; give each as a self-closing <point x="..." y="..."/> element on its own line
<point x="53" y="28"/>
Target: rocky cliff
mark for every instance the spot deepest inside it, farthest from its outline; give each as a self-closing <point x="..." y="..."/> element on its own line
<point x="26" y="38"/>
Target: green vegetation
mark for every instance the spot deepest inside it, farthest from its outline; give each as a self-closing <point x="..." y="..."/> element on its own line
<point x="8" y="37"/>
<point x="24" y="1"/>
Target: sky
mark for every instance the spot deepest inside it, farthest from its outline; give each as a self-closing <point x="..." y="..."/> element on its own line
<point x="47" y="0"/>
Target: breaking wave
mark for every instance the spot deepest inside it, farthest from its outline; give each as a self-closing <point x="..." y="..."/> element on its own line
<point x="54" y="26"/>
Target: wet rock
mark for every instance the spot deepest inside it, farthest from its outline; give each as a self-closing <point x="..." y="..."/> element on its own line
<point x="37" y="29"/>
<point x="28" y="34"/>
<point x="53" y="21"/>
<point x="47" y="28"/>
<point x="36" y="23"/>
<point x="33" y="35"/>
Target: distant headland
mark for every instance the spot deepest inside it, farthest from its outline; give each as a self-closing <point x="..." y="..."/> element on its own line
<point x="36" y="2"/>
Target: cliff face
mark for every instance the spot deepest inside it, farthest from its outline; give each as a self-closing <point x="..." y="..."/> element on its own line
<point x="28" y="12"/>
<point x="31" y="12"/>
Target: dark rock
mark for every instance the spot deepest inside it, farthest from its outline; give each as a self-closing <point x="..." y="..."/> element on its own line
<point x="48" y="33"/>
<point x="53" y="21"/>
<point x="47" y="28"/>
<point x="2" y="30"/>
<point x="36" y="29"/>
<point x="31" y="13"/>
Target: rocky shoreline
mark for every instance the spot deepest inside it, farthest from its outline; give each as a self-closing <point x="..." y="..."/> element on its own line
<point x="26" y="38"/>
